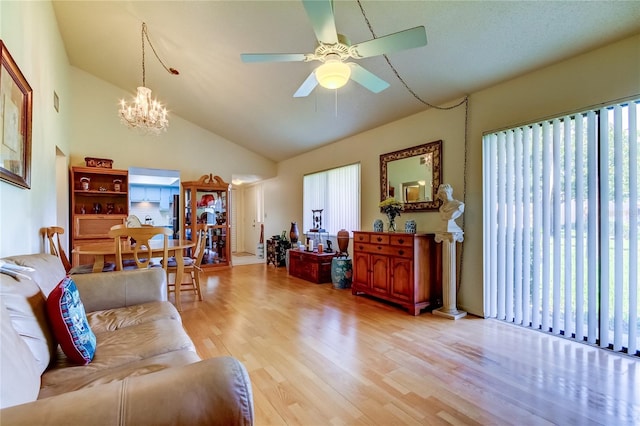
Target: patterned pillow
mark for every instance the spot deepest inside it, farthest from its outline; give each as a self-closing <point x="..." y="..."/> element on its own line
<point x="69" y="322"/>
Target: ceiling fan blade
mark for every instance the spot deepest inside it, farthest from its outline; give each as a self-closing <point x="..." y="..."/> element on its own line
<point x="272" y="57"/>
<point x="407" y="39"/>
<point x="307" y="87"/>
<point x="367" y="79"/>
<point x="322" y="20"/>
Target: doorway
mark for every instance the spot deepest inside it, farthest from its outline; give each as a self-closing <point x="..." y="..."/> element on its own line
<point x="62" y="197"/>
<point x="247" y="213"/>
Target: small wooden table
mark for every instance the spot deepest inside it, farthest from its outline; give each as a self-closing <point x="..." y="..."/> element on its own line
<point x="101" y="250"/>
<point x="311" y="266"/>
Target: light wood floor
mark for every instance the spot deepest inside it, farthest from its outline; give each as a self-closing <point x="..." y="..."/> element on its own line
<point x="320" y="356"/>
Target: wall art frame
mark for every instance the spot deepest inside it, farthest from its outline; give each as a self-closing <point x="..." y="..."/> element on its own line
<point x="16" y="112"/>
<point x="427" y="158"/>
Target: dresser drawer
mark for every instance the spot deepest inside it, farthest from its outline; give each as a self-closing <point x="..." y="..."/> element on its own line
<point x="379" y="238"/>
<point x="401" y="240"/>
<point x="95" y="226"/>
<point x="387" y="250"/>
<point x="359" y="237"/>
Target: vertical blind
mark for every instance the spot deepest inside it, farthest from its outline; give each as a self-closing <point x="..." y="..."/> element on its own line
<point x="561" y="226"/>
<point x="337" y="193"/>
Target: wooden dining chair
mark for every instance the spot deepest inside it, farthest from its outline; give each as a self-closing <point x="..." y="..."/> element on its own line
<point x="53" y="235"/>
<point x="141" y="249"/>
<point x="191" y="267"/>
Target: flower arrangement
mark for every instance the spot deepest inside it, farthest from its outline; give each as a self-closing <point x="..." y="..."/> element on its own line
<point x="392" y="208"/>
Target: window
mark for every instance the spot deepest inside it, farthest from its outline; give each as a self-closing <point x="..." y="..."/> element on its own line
<point x="337" y="193"/>
<point x="561" y="226"/>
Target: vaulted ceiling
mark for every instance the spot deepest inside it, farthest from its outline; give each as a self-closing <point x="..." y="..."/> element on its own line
<point x="471" y="46"/>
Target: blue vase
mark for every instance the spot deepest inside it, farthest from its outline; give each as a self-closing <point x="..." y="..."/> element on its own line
<point x="378" y="225"/>
<point x="410" y="226"/>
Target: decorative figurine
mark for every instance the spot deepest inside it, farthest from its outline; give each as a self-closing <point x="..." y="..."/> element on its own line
<point x="450" y="209"/>
<point x="328" y="249"/>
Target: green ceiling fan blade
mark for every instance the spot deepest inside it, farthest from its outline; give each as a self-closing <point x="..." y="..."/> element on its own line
<point x="367" y="79"/>
<point x="272" y="57"/>
<point x="403" y="40"/>
<point x="322" y="20"/>
<point x="307" y="87"/>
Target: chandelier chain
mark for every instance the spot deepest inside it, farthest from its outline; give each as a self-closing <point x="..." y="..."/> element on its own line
<point x="464" y="102"/>
<point x="144" y="73"/>
<point x="145" y="34"/>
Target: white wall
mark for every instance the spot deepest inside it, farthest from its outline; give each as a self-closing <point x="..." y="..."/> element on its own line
<point x="605" y="74"/>
<point x="97" y="132"/>
<point x="30" y="32"/>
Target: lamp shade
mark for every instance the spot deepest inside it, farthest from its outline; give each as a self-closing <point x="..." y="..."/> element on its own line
<point x="333" y="74"/>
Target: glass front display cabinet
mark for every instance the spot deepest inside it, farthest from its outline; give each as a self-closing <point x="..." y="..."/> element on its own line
<point x="206" y="202"/>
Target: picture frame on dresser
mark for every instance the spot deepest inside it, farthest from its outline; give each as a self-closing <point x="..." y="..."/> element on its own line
<point x="16" y="110"/>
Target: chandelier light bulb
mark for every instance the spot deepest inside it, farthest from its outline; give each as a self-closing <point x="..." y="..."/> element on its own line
<point x="333" y="74"/>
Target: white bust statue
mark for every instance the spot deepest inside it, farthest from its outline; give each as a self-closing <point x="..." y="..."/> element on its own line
<point x="450" y="209"/>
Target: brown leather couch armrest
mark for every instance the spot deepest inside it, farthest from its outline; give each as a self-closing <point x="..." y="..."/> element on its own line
<point x="215" y="391"/>
<point x="107" y="290"/>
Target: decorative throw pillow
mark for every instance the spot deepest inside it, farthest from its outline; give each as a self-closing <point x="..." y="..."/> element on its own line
<point x="69" y="322"/>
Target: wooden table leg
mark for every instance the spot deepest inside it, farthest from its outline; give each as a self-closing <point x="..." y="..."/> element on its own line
<point x="179" y="277"/>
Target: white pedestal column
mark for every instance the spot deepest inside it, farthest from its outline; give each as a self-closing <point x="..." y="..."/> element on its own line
<point x="449" y="309"/>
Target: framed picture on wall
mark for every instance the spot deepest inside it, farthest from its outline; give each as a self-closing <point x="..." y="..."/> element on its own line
<point x="16" y="106"/>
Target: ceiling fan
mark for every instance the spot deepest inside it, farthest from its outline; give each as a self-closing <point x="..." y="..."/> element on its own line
<point x="334" y="50"/>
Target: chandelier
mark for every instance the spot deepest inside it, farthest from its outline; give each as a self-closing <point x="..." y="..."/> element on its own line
<point x="144" y="113"/>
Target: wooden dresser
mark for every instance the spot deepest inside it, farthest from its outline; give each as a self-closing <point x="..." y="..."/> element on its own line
<point x="314" y="267"/>
<point x="401" y="268"/>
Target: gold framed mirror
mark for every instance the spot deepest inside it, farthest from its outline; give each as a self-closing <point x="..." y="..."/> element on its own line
<point x="412" y="176"/>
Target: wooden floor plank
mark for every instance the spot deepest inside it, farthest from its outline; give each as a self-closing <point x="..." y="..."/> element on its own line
<point x="321" y="356"/>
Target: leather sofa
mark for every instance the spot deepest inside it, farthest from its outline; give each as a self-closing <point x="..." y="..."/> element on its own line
<point x="145" y="370"/>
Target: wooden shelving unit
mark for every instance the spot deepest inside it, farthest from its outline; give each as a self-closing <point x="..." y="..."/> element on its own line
<point x="99" y="200"/>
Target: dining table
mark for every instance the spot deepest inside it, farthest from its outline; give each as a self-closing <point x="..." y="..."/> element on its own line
<point x="103" y="250"/>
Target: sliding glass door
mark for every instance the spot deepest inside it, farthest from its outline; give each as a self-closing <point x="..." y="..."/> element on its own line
<point x="561" y="225"/>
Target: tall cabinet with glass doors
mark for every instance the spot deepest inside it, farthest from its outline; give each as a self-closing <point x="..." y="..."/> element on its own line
<point x="206" y="202"/>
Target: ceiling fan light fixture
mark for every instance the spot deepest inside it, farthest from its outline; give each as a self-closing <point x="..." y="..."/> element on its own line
<point x="333" y="74"/>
